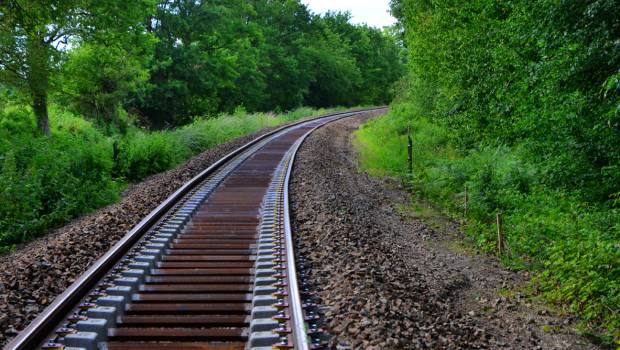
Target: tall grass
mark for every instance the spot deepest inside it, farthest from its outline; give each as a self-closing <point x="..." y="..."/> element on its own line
<point x="45" y="182"/>
<point x="573" y="247"/>
<point x="144" y="153"/>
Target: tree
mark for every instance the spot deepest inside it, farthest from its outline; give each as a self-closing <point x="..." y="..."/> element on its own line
<point x="284" y="58"/>
<point x="197" y="58"/>
<point x="97" y="79"/>
<point x="212" y="56"/>
<point x="34" y="35"/>
<point x="376" y="53"/>
<point x="336" y="76"/>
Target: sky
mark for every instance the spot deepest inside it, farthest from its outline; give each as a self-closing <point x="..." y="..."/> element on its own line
<point x="372" y="12"/>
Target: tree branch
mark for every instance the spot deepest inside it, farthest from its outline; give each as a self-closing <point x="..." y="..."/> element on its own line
<point x="55" y="35"/>
<point x="58" y="42"/>
<point x="14" y="70"/>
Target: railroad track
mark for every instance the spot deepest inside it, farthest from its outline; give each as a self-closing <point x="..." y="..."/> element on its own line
<point x="212" y="267"/>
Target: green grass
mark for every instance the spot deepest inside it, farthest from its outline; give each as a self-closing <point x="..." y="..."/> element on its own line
<point x="572" y="247"/>
<point x="145" y="153"/>
<point x="46" y="182"/>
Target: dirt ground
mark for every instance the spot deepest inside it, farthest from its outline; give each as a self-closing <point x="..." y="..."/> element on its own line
<point x="387" y="280"/>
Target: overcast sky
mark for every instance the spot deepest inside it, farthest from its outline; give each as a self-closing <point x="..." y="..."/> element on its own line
<point x="372" y="12"/>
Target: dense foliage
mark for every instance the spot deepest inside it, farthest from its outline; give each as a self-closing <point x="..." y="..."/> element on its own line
<point x="264" y="55"/>
<point x="518" y="102"/>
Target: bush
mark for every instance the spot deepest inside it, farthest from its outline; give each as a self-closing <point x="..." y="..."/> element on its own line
<point x="47" y="181"/>
<point x="143" y="154"/>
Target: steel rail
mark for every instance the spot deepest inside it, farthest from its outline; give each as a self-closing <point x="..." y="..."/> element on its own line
<point x="36" y="333"/>
<point x="300" y="336"/>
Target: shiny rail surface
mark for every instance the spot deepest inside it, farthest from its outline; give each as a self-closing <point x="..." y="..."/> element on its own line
<point x="212" y="267"/>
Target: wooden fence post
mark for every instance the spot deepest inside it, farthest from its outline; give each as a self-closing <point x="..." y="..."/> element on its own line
<point x="466" y="202"/>
<point x="501" y="243"/>
<point x="409" y="154"/>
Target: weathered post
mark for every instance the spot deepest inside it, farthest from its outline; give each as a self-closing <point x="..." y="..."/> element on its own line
<point x="115" y="151"/>
<point x="409" y="154"/>
<point x="501" y="244"/>
<point x="466" y="202"/>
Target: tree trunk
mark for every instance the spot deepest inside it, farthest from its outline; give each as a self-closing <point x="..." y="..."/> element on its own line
<point x="38" y="80"/>
<point x="39" y="106"/>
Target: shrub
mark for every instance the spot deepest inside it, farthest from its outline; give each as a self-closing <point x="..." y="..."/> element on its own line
<point x="143" y="154"/>
<point x="47" y="181"/>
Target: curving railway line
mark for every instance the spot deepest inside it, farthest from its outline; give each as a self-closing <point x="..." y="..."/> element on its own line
<point x="212" y="267"/>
